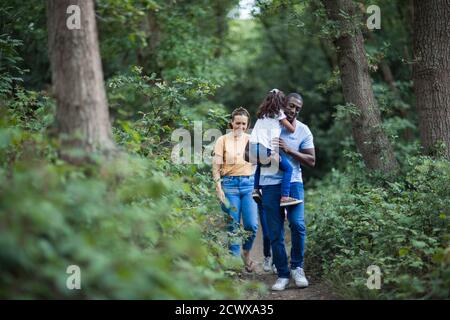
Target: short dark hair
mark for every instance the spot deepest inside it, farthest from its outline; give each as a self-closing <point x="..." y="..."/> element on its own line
<point x="294" y="95"/>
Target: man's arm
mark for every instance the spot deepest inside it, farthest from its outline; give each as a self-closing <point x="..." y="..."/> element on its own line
<point x="305" y="156"/>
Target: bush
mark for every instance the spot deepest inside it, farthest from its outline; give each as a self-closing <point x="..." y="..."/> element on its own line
<point x="138" y="226"/>
<point x="356" y="220"/>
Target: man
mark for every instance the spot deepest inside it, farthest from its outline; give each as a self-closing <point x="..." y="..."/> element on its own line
<point x="299" y="149"/>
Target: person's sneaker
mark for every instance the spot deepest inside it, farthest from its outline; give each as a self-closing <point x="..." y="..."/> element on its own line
<point x="299" y="277"/>
<point x="256" y="194"/>
<point x="288" y="201"/>
<point x="266" y="264"/>
<point x="274" y="269"/>
<point x="281" y="284"/>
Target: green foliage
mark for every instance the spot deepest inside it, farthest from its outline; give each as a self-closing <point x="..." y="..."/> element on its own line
<point x="148" y="110"/>
<point x="143" y="227"/>
<point x="10" y="71"/>
<point x="135" y="90"/>
<point x="138" y="227"/>
<point x="401" y="226"/>
<point x="24" y="22"/>
<point x="174" y="39"/>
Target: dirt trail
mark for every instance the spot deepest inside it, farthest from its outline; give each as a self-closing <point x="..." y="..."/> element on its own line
<point x="316" y="290"/>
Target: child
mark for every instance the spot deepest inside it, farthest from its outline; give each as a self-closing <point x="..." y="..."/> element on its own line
<point x="271" y="119"/>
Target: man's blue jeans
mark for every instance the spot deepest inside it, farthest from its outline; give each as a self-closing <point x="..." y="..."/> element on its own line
<point x="265" y="230"/>
<point x="275" y="222"/>
<point x="238" y="190"/>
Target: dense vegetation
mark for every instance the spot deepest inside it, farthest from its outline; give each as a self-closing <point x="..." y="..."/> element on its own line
<point x="140" y="226"/>
<point x="357" y="220"/>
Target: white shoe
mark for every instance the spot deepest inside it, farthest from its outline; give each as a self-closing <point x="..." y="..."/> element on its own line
<point x="299" y="277"/>
<point x="274" y="269"/>
<point x="281" y="284"/>
<point x="266" y="264"/>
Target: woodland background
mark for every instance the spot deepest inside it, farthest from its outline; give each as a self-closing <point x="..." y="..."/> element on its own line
<point x="86" y="176"/>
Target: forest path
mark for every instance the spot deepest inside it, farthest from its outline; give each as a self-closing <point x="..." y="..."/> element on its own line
<point x="317" y="290"/>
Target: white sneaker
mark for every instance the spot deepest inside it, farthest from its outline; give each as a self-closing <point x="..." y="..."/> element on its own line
<point x="266" y="264"/>
<point x="299" y="277"/>
<point x="281" y="284"/>
<point x="274" y="269"/>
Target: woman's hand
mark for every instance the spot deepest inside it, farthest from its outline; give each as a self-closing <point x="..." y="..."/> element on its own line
<point x="220" y="195"/>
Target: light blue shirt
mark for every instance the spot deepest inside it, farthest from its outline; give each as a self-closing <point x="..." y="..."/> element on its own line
<point x="302" y="138"/>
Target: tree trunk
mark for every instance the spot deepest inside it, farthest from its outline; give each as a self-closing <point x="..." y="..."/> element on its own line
<point x="388" y="77"/>
<point x="329" y="55"/>
<point x="431" y="72"/>
<point x="221" y="23"/>
<point x="147" y="57"/>
<point x="369" y="137"/>
<point x="82" y="115"/>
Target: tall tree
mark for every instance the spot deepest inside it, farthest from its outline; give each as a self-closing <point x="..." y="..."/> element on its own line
<point x="147" y="56"/>
<point x="431" y="72"/>
<point x="82" y="111"/>
<point x="369" y="137"/>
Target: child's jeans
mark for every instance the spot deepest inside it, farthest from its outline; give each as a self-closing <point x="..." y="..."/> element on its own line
<point x="260" y="155"/>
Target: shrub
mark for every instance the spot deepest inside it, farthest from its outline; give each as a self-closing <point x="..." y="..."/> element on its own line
<point x="138" y="226"/>
<point x="402" y="226"/>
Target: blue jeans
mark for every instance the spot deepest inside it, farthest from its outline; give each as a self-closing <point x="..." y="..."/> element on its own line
<point x="259" y="153"/>
<point x="275" y="222"/>
<point x="265" y="230"/>
<point x="238" y="191"/>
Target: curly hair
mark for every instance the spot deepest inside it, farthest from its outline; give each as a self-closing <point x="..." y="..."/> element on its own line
<point x="272" y="104"/>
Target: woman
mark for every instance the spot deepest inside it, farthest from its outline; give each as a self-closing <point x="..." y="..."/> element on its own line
<point x="234" y="181"/>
